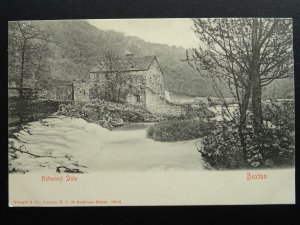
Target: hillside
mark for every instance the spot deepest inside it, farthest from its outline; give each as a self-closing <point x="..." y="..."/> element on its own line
<point x="79" y="46"/>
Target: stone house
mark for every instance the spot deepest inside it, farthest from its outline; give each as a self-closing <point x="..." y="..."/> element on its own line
<point x="144" y="82"/>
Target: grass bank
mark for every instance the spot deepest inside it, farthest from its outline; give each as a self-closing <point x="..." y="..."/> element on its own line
<point x="179" y="130"/>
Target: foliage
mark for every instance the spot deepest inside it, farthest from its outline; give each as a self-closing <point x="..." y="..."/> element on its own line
<point x="116" y="80"/>
<point x="247" y="54"/>
<point x="78" y="46"/>
<point x="274" y="147"/>
<point x="28" y="53"/>
<point x="281" y="113"/>
<point x="279" y="89"/>
<point x="197" y="111"/>
<point x="107" y="114"/>
<point x="179" y="130"/>
<point x="228" y="44"/>
<point x="222" y="148"/>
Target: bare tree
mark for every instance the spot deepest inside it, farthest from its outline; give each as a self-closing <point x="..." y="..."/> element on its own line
<point x="115" y="79"/>
<point x="247" y="54"/>
<point x="28" y="52"/>
<point x="271" y="58"/>
<point x="221" y="55"/>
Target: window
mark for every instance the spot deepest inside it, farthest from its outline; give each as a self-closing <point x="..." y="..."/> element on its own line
<point x="138" y="98"/>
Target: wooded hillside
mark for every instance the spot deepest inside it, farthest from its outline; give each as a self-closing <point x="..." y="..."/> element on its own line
<point x="78" y="47"/>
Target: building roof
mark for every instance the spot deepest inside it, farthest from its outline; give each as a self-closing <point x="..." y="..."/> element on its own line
<point x="127" y="64"/>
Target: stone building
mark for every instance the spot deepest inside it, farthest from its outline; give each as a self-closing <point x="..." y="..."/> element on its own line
<point x="144" y="82"/>
<point x="63" y="90"/>
<point x="81" y="90"/>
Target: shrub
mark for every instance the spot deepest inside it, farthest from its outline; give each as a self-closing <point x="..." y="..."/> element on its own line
<point x="107" y="114"/>
<point x="277" y="142"/>
<point x="280" y="113"/>
<point x="222" y="148"/>
<point x="179" y="130"/>
<point x="197" y="111"/>
<point x="274" y="147"/>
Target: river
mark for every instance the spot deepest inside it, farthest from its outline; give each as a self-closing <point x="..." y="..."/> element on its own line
<point x="75" y="143"/>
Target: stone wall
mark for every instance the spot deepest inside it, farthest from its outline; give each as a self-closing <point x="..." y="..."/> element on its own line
<point x="47" y="94"/>
<point x="155" y="79"/>
<point x="63" y="92"/>
<point x="29" y="111"/>
<point x="81" y="90"/>
<point x="144" y="88"/>
<point x="136" y="99"/>
<point x="136" y="88"/>
<point x="158" y="105"/>
<point x="99" y="84"/>
<point x="133" y="85"/>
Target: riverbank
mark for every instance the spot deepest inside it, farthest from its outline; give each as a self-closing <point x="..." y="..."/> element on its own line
<point x="107" y="114"/>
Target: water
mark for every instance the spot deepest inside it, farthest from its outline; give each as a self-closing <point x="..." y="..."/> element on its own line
<point x="222" y="113"/>
<point x="75" y="143"/>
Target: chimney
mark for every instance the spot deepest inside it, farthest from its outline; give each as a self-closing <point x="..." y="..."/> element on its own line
<point x="129" y="56"/>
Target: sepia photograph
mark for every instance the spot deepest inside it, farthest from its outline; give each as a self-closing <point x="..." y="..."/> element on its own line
<point x="103" y="111"/>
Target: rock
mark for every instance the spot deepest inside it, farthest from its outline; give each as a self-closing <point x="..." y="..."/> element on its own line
<point x="67" y="170"/>
<point x="269" y="163"/>
<point x="108" y="114"/>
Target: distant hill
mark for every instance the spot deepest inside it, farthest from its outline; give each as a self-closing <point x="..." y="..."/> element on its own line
<point x="79" y="46"/>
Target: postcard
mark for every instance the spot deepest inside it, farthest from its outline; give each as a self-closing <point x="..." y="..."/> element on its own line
<point x="143" y="112"/>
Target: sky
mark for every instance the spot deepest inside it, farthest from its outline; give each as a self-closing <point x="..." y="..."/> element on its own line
<point x="176" y="32"/>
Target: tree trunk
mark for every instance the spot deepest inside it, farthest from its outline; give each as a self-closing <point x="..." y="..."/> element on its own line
<point x="22" y="70"/>
<point x="243" y="120"/>
<point x="256" y="105"/>
<point x="244" y="105"/>
<point x="256" y="82"/>
<point x="22" y="103"/>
